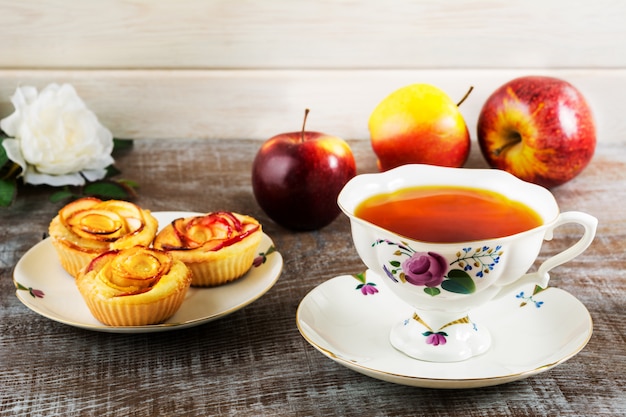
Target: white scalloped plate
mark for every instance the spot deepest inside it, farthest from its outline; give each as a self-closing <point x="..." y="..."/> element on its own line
<point x="40" y="270"/>
<point x="531" y="334"/>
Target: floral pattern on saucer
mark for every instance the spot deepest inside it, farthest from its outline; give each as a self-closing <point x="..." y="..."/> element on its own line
<point x="526" y="299"/>
<point x="353" y="330"/>
<point x="364" y="286"/>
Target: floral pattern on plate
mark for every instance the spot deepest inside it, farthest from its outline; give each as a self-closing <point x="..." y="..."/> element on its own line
<point x="44" y="287"/>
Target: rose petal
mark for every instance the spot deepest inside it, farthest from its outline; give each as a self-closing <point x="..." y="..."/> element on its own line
<point x="12" y="148"/>
<point x="11" y="123"/>
<point x="440" y="261"/>
<point x="33" y="177"/>
<point x="425" y="269"/>
<point x="95" y="174"/>
<point x="22" y="97"/>
<point x="56" y="137"/>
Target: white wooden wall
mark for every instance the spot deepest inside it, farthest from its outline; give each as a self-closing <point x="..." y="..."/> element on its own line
<point x="247" y="69"/>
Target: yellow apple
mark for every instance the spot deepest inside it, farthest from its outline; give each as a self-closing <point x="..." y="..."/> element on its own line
<point x="418" y="124"/>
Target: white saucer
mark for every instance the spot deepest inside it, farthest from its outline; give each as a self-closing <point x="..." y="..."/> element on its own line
<point x="39" y="270"/>
<point x="531" y="334"/>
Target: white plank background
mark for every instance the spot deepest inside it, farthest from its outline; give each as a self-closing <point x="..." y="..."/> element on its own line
<point x="247" y="69"/>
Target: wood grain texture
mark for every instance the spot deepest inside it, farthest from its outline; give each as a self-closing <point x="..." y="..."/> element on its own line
<point x="254" y="362"/>
<point x="325" y="34"/>
<point x="258" y="104"/>
<point x="221" y="70"/>
<point x="247" y="69"/>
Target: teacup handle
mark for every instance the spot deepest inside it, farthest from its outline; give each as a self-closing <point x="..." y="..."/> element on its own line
<point x="541" y="276"/>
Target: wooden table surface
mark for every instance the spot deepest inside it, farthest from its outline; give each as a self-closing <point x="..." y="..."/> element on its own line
<point x="254" y="361"/>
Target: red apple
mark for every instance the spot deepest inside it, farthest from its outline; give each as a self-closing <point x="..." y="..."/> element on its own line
<point x="419" y="124"/>
<point x="297" y="176"/>
<point x="539" y="129"/>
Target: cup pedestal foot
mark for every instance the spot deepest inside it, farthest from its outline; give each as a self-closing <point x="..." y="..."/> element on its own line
<point x="437" y="338"/>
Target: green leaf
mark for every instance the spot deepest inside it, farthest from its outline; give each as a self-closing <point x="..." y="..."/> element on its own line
<point x="129" y="183"/>
<point x="9" y="170"/>
<point x="432" y="291"/>
<point x="122" y="144"/>
<point x="459" y="282"/>
<point x="8" y="190"/>
<point x="395" y="264"/>
<point x="112" y="171"/>
<point x="458" y="273"/>
<point x="3" y="154"/>
<point x="106" y="189"/>
<point x="63" y="194"/>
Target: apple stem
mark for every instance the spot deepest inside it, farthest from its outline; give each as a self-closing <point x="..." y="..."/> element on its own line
<point x="306" y="114"/>
<point x="465" y="96"/>
<point x="514" y="139"/>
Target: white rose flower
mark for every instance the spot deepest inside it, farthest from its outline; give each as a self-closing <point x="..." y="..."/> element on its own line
<point x="55" y="138"/>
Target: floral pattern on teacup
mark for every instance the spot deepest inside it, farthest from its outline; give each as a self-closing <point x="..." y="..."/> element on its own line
<point x="436" y="273"/>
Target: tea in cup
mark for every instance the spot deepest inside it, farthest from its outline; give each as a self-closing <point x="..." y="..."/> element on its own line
<point x="447" y="240"/>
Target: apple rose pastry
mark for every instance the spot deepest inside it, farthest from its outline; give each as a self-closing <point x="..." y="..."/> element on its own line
<point x="88" y="227"/>
<point x="218" y="247"/>
<point x="134" y="287"/>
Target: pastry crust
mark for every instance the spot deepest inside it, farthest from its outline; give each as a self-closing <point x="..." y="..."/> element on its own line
<point x="218" y="247"/>
<point x="89" y="226"/>
<point x="134" y="287"/>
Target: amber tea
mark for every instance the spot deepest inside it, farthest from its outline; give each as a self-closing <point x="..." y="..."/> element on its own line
<point x="448" y="214"/>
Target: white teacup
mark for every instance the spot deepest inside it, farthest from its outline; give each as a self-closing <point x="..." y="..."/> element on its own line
<point x="441" y="329"/>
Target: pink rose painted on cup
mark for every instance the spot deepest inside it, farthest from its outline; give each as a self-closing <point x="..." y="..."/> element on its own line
<point x="425" y="268"/>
